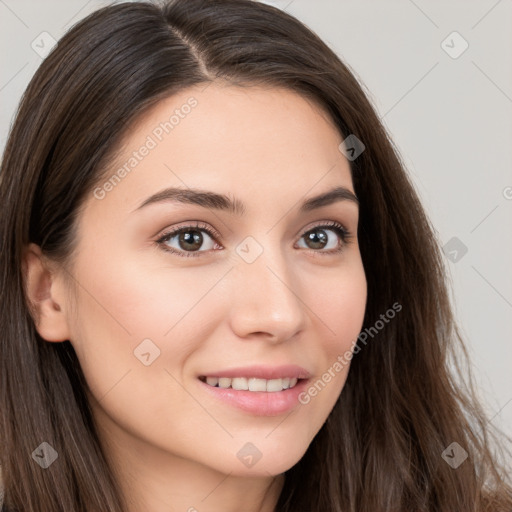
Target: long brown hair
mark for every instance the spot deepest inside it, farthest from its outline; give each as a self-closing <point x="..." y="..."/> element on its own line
<point x="381" y="448"/>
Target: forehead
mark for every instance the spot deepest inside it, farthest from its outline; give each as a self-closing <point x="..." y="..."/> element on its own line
<point x="244" y="140"/>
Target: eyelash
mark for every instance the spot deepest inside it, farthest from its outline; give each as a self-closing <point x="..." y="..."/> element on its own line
<point x="342" y="232"/>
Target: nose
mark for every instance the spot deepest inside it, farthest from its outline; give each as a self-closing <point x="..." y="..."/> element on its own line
<point x="266" y="299"/>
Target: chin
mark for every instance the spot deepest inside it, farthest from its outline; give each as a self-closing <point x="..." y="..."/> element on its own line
<point x="272" y="460"/>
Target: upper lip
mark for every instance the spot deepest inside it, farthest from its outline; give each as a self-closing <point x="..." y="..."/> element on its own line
<point x="262" y="372"/>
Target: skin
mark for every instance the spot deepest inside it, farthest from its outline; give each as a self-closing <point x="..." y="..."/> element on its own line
<point x="172" y="446"/>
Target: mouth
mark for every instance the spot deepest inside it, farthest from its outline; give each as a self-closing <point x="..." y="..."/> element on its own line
<point x="253" y="384"/>
<point x="260" y="390"/>
<point x="257" y="390"/>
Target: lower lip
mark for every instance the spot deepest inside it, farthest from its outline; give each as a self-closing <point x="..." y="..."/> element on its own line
<point x="260" y="403"/>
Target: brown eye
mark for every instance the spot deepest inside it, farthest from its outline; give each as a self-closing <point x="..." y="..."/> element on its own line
<point x="187" y="240"/>
<point x="190" y="240"/>
<point x="326" y="238"/>
<point x="317" y="238"/>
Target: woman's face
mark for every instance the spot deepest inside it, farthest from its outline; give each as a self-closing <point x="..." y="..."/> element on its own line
<point x="259" y="293"/>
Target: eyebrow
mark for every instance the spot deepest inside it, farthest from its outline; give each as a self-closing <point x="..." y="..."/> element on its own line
<point x="232" y="205"/>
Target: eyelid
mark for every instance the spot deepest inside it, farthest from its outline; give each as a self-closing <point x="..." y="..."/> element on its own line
<point x="190" y="225"/>
<point x="327" y="224"/>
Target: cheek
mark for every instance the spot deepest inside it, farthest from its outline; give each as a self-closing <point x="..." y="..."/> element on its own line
<point x="126" y="302"/>
<point x="340" y="304"/>
<point x="127" y="310"/>
<point x="339" y="308"/>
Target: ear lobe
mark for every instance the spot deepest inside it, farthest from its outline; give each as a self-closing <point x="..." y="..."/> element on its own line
<point x="45" y="292"/>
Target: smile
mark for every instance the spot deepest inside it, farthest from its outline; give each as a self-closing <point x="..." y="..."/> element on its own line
<point x="251" y="383"/>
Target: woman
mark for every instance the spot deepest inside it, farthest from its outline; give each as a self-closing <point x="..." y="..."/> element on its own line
<point x="220" y="290"/>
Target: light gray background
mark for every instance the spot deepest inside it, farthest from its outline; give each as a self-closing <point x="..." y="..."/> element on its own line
<point x="451" y="119"/>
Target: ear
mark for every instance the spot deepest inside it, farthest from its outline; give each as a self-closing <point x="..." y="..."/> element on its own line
<point x="46" y="294"/>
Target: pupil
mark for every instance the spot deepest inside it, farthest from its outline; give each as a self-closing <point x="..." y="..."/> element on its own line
<point x="196" y="238"/>
<point x="318" y="237"/>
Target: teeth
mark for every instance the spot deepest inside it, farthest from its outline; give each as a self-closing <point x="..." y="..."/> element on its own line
<point x="257" y="385"/>
<point x="252" y="384"/>
<point x="213" y="381"/>
<point x="240" y="383"/>
<point x="275" y="385"/>
<point x="224" y="382"/>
